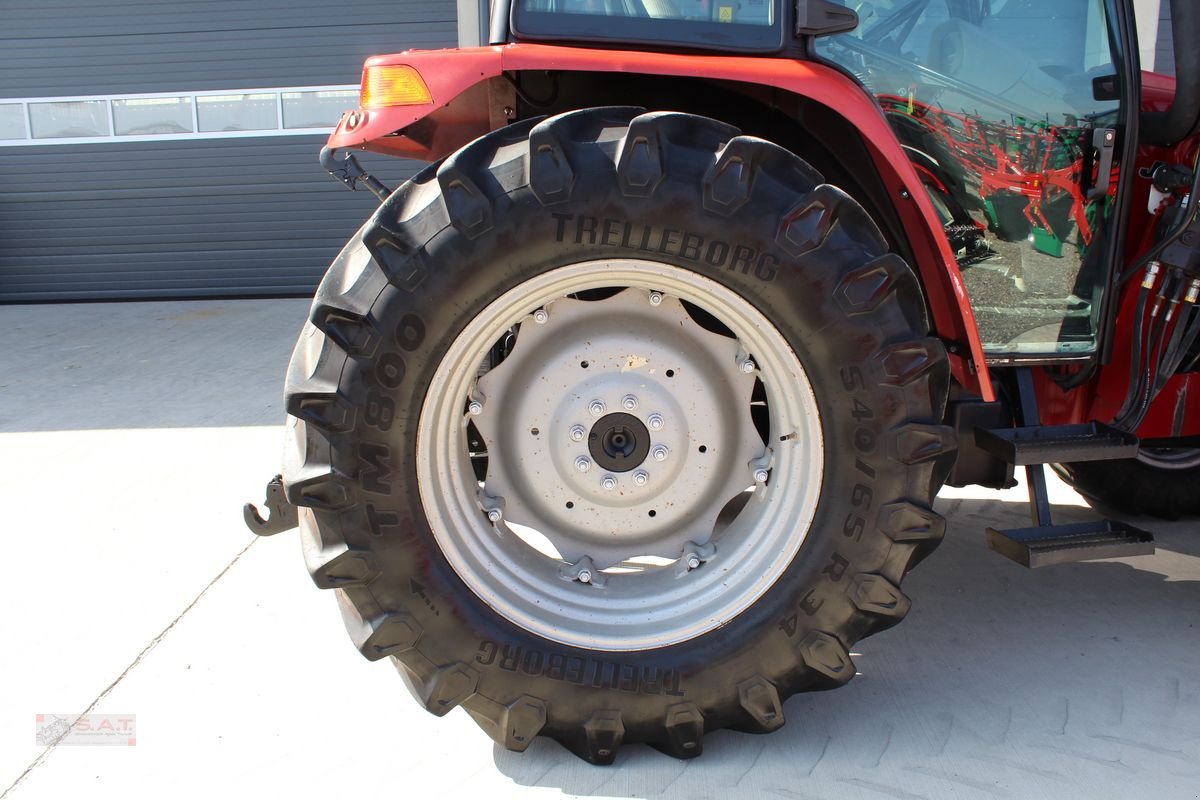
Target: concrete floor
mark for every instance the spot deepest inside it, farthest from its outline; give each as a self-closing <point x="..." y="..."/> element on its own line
<point x="132" y="433"/>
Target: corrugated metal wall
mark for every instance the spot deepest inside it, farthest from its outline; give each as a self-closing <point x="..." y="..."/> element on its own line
<point x="187" y="218"/>
<point x="58" y="47"/>
<point x="173" y="219"/>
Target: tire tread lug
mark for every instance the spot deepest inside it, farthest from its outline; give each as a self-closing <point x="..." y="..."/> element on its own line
<point x="760" y="701"/>
<point x="685" y="731"/>
<point x="875" y="594"/>
<point x="602" y="736"/>
<point x="381" y="636"/>
<point x="825" y="653"/>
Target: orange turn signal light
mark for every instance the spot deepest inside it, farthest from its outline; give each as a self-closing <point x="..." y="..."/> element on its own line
<point x="393" y="86"/>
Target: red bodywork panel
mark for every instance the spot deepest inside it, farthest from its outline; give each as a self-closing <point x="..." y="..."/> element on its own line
<point x="1176" y="410"/>
<point x="463" y="109"/>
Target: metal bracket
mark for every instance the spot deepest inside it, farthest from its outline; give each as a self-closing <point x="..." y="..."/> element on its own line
<point x="583" y="571"/>
<point x="346" y="169"/>
<point x="822" y="18"/>
<point x="693" y="556"/>
<point x="281" y="515"/>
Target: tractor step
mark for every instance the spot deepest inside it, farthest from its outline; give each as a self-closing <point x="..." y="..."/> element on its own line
<point x="1036" y="445"/>
<point x="1064" y="544"/>
<point x="1050" y="444"/>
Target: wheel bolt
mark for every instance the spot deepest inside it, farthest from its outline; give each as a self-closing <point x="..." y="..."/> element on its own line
<point x="692" y="560"/>
<point x="656" y="298"/>
<point x="494" y="515"/>
<point x="577" y="433"/>
<point x="608" y="482"/>
<point x="583" y="463"/>
<point x="629" y="402"/>
<point x="661" y="452"/>
<point x="540" y="316"/>
<point x="747" y="366"/>
<point x="761" y="475"/>
<point x="655" y="421"/>
<point x="596" y="407"/>
<point x="584" y="576"/>
<point x="641" y="477"/>
<point x="475" y="408"/>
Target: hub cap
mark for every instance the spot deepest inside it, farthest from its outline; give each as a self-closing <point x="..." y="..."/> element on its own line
<point x="629" y="499"/>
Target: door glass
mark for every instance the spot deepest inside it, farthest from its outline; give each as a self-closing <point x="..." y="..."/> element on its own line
<point x="998" y="104"/>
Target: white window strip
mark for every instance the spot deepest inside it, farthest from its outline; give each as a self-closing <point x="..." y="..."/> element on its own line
<point x="167" y="137"/>
<point x="110" y="116"/>
<point x="182" y="93"/>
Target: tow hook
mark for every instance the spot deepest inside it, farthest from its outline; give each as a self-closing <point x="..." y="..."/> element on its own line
<point x="344" y="167"/>
<point x="281" y="515"/>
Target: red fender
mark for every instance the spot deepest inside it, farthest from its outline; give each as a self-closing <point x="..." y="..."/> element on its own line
<point x="464" y="108"/>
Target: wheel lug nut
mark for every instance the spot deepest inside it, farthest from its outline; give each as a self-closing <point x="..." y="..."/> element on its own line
<point x="475" y="408"/>
<point x="577" y="433"/>
<point x="747" y="366"/>
<point x="761" y="475"/>
<point x="608" y="482"/>
<point x="660" y="452"/>
<point x="629" y="402"/>
<point x="583" y="463"/>
<point x="495" y="515"/>
<point x="656" y="298"/>
<point x="584" y="576"/>
<point x="655" y="421"/>
<point x="641" y="477"/>
<point x="540" y="316"/>
<point x="596" y="407"/>
<point x="692" y="560"/>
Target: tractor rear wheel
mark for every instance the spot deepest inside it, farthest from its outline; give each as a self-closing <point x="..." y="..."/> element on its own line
<point x="617" y="427"/>
<point x="1159" y="482"/>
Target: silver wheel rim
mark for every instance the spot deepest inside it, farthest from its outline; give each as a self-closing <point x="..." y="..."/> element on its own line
<point x="1175" y="458"/>
<point x="728" y="520"/>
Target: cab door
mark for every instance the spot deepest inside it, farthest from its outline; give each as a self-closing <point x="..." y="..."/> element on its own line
<point x="1011" y="112"/>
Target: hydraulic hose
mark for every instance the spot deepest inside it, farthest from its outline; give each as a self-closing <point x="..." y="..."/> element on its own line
<point x="1181" y="334"/>
<point x="1155" y="355"/>
<point x="1177" y="123"/>
<point x="1139" y="325"/>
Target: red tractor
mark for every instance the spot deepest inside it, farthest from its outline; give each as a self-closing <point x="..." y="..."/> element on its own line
<point x="622" y="420"/>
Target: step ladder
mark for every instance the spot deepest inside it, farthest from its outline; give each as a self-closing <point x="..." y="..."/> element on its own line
<point x="1033" y="446"/>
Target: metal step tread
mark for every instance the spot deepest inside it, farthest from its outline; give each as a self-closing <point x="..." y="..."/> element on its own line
<point x="1050" y="444"/>
<point x="1065" y="544"/>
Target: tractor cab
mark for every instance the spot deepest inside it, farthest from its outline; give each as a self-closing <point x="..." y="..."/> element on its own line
<point x="1010" y="112"/>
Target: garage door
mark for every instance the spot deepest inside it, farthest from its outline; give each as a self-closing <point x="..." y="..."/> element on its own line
<point x="169" y="149"/>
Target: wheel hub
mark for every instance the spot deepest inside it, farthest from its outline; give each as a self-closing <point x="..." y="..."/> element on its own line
<point x="625" y="491"/>
<point x="619" y="442"/>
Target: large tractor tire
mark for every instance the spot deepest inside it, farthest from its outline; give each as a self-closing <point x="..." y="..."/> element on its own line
<point x="617" y="427"/>
<point x="1161" y="483"/>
